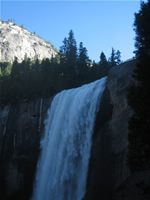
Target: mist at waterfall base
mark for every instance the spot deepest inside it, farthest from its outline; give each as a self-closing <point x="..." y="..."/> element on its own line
<point x="63" y="165"/>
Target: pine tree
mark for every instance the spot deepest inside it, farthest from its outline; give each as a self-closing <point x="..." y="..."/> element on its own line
<point x="63" y="51"/>
<point x="83" y="57"/>
<point x="68" y="60"/>
<point x="118" y="57"/>
<point x="71" y="48"/>
<point x="103" y="59"/>
<point x="115" y="58"/>
<point x="138" y="97"/>
<point x="112" y="58"/>
<point x="142" y="28"/>
<point x="82" y="66"/>
<point x="104" y="66"/>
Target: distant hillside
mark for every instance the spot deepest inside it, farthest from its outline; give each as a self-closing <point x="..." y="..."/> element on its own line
<point x="15" y="41"/>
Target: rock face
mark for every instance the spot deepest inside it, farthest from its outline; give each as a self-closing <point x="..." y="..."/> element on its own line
<point x="109" y="177"/>
<point x="21" y="127"/>
<point x="17" y="42"/>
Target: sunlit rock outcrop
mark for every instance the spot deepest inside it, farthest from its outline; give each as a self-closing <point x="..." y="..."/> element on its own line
<point x="16" y="41"/>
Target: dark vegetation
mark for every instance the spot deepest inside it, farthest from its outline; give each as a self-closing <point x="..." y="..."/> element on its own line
<point x="138" y="97"/>
<point x="70" y="69"/>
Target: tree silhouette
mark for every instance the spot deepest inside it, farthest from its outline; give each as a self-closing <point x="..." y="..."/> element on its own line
<point x="103" y="59"/>
<point x="118" y="57"/>
<point x="138" y="97"/>
<point x="112" y="58"/>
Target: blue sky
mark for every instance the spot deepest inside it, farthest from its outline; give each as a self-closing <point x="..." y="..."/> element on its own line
<point x="100" y="25"/>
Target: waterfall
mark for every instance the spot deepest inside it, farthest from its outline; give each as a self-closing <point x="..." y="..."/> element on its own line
<point x="63" y="165"/>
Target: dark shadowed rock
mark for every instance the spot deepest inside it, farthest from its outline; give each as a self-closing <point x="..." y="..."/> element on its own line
<point x="21" y="127"/>
<point x="109" y="176"/>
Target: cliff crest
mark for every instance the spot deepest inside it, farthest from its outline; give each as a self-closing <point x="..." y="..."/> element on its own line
<point x="16" y="41"/>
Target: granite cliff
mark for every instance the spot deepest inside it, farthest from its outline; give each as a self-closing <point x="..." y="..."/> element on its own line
<point x="21" y="127"/>
<point x="109" y="176"/>
<point x="16" y="41"/>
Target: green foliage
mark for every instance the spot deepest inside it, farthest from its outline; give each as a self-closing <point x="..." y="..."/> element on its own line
<point x="7" y="43"/>
<point x="138" y="97"/>
<point x="118" y="57"/>
<point x="103" y="59"/>
<point x="115" y="58"/>
<point x="142" y="27"/>
<point x="32" y="79"/>
<point x="112" y="59"/>
<point x="69" y="49"/>
<point x="5" y="68"/>
<point x="83" y="57"/>
<point x="68" y="60"/>
<point x="82" y="64"/>
<point x="104" y="65"/>
<point x="54" y="48"/>
<point x="40" y="43"/>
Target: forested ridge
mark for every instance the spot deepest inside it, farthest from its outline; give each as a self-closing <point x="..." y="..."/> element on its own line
<point x="44" y="78"/>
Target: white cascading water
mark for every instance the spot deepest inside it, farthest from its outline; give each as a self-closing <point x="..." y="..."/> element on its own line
<point x="63" y="166"/>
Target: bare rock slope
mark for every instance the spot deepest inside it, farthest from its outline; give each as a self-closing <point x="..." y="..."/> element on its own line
<point x="16" y="41"/>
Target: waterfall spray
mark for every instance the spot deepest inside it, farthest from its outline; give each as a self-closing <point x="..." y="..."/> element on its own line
<point x="63" y="165"/>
